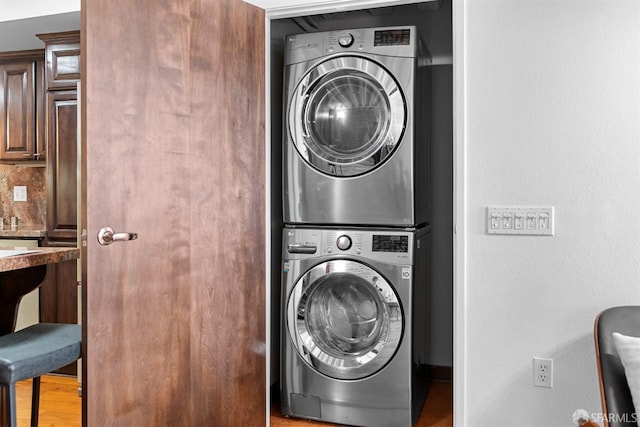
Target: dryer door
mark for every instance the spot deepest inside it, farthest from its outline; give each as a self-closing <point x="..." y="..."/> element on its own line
<point x="344" y="319"/>
<point x="347" y="116"/>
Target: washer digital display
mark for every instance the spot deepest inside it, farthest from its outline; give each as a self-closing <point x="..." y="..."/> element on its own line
<point x="390" y="243"/>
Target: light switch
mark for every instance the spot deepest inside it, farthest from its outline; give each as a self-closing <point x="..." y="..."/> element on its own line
<point x="544" y="220"/>
<point x="507" y="220"/>
<point x="20" y="193"/>
<point x="495" y="221"/>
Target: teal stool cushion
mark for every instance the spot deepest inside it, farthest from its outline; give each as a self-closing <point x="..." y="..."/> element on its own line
<point x="37" y="350"/>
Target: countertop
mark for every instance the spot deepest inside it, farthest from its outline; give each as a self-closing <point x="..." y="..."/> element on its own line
<point x="37" y="256"/>
<point x="23" y="231"/>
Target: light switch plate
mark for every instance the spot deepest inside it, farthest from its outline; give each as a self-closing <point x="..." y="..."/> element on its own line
<point x="521" y="220"/>
<point x="20" y="193"/>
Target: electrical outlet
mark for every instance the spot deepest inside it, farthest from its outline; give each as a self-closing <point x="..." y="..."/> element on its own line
<point x="542" y="372"/>
<point x="20" y="193"/>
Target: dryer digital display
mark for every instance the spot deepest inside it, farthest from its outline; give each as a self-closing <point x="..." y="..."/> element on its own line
<point x="392" y="38"/>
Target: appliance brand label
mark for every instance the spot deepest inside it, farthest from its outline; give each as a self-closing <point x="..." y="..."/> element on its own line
<point x="285" y="266"/>
<point x="406" y="273"/>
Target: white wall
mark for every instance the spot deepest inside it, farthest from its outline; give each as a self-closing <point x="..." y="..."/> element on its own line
<point x="21" y="9"/>
<point x="21" y="20"/>
<point x="552" y="118"/>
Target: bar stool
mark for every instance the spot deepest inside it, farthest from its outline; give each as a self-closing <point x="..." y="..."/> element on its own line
<point x="32" y="352"/>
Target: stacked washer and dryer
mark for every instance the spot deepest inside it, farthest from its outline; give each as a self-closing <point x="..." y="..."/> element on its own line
<point x="356" y="238"/>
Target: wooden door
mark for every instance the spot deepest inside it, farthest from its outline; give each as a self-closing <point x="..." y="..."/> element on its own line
<point x="173" y="128"/>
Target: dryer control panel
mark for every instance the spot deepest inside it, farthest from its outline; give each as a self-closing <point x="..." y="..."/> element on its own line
<point x="391" y="41"/>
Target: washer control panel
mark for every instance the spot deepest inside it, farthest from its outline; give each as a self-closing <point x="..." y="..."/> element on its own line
<point x="339" y="241"/>
<point x="384" y="245"/>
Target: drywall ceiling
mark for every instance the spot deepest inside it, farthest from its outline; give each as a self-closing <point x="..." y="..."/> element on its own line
<point x="20" y="34"/>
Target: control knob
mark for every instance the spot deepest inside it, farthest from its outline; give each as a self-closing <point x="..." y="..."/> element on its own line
<point x="345" y="40"/>
<point x="344" y="242"/>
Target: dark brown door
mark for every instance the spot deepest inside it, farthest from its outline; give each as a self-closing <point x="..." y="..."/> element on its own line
<point x="173" y="125"/>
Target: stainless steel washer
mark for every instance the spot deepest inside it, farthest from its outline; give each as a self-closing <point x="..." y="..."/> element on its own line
<point x="356" y="146"/>
<point x="355" y="334"/>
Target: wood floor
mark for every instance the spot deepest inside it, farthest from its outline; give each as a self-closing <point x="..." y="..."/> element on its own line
<point x="436" y="412"/>
<point x="60" y="405"/>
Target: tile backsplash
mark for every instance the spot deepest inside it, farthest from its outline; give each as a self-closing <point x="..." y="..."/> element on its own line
<point x="31" y="212"/>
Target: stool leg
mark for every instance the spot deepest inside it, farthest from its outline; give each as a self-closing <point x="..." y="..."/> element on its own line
<point x="35" y="401"/>
<point x="11" y="405"/>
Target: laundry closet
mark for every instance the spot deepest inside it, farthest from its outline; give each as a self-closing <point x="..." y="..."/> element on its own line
<point x="432" y="23"/>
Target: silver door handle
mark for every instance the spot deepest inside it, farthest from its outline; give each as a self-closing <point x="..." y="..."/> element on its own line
<point x="106" y="236"/>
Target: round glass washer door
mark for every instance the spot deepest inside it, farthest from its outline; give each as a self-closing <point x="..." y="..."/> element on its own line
<point x="347" y="116"/>
<point x="344" y="319"/>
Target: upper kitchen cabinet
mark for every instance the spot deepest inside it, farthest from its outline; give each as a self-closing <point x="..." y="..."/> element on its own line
<point x="63" y="59"/>
<point x="62" y="74"/>
<point x="22" y="106"/>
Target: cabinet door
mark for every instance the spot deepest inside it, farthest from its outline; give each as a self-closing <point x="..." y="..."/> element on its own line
<point x="62" y="132"/>
<point x="59" y="294"/>
<point x="63" y="59"/>
<point x="59" y="298"/>
<point x="17" y="110"/>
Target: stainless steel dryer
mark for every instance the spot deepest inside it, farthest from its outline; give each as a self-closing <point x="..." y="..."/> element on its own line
<point x="355" y="333"/>
<point x="356" y="146"/>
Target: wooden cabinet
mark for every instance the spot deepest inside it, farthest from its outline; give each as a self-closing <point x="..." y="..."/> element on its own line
<point x="59" y="292"/>
<point x="62" y="74"/>
<point x="62" y="208"/>
<point x="59" y="297"/>
<point x="63" y="59"/>
<point x="21" y="106"/>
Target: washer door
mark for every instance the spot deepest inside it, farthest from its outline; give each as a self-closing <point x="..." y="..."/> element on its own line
<point x="347" y="115"/>
<point x="344" y="319"/>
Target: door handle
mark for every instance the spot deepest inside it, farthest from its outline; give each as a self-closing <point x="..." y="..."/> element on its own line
<point x="106" y="236"/>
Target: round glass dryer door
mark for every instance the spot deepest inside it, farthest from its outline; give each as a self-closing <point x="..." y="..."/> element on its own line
<point x="347" y="116"/>
<point x="344" y="319"/>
